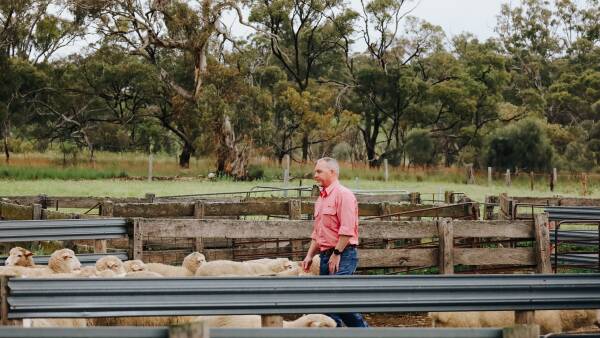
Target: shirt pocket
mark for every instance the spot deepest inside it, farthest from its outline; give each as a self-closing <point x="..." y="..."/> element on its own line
<point x="331" y="211"/>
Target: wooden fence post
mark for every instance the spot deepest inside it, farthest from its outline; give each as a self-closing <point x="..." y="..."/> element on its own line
<point x="286" y="173"/>
<point x="136" y="240"/>
<point x="106" y="210"/>
<point x="449" y="197"/>
<point x="554" y="180"/>
<point x="415" y="198"/>
<point x="521" y="331"/>
<point x="446" y="246"/>
<point x="385" y="168"/>
<point x="384" y="209"/>
<point x="271" y="321"/>
<point x="199" y="213"/>
<point x="37" y="211"/>
<point x="295" y="213"/>
<point x="507" y="178"/>
<point x="489" y="176"/>
<point x="470" y="174"/>
<point x="542" y="244"/>
<point x="150" y="160"/>
<point x="150" y="197"/>
<point x="4" y="300"/>
<point x="191" y="330"/>
<point x="531" y="179"/>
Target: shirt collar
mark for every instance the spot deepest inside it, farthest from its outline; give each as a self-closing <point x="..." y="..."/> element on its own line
<point x="327" y="191"/>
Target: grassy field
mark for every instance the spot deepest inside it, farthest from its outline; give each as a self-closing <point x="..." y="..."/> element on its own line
<point x="131" y="188"/>
<point x="122" y="175"/>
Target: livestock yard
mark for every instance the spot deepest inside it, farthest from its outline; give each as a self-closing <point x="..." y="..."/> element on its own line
<point x="206" y="265"/>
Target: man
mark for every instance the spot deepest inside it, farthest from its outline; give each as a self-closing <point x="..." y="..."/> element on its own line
<point x="335" y="231"/>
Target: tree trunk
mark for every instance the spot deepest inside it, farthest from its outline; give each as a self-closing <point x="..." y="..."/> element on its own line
<point x="5" y="133"/>
<point x="186" y="154"/>
<point x="230" y="160"/>
<point x="305" y="146"/>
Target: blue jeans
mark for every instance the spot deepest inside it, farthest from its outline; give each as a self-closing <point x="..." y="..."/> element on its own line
<point x="348" y="263"/>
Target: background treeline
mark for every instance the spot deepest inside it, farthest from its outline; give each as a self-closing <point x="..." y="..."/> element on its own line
<point x="313" y="78"/>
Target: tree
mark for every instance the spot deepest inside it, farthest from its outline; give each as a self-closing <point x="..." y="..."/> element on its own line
<point x="507" y="146"/>
<point x="307" y="39"/>
<point x="164" y="33"/>
<point x="419" y="147"/>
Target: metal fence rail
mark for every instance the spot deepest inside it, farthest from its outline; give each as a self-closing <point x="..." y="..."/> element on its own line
<point x="39" y="298"/>
<point x="64" y="229"/>
<point x="163" y="332"/>
<point x="84" y="259"/>
<point x="572" y="213"/>
<point x="358" y="333"/>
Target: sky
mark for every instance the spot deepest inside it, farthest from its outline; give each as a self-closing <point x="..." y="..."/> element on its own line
<point x="454" y="16"/>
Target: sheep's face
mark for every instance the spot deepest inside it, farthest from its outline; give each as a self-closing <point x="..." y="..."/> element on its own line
<point x="64" y="260"/>
<point x="19" y="257"/>
<point x="318" y="320"/>
<point x="134" y="266"/>
<point x="193" y="261"/>
<point x="110" y="263"/>
<point x="282" y="264"/>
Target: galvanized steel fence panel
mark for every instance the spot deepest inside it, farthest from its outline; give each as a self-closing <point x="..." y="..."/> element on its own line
<point x="64" y="229"/>
<point x="33" y="298"/>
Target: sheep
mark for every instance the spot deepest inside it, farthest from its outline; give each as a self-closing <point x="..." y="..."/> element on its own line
<point x="18" y="256"/>
<point x="191" y="263"/>
<point x="135" y="265"/>
<point x="550" y="321"/>
<point x="143" y="274"/>
<point x="249" y="268"/>
<point x="297" y="270"/>
<point x="61" y="261"/>
<point x="239" y="321"/>
<point x="254" y="321"/>
<point x="55" y="322"/>
<point x="111" y="263"/>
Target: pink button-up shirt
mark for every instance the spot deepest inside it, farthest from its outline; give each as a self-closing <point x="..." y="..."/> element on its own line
<point x="336" y="213"/>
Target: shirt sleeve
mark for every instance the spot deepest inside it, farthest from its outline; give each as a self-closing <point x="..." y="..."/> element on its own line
<point x="313" y="235"/>
<point x="347" y="214"/>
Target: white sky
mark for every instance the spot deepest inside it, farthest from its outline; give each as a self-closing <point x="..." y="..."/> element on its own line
<point x="454" y="16"/>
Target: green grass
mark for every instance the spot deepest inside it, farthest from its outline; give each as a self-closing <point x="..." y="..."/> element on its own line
<point x="137" y="188"/>
<point x="21" y="173"/>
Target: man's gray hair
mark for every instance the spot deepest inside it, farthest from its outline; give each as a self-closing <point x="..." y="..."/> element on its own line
<point x="332" y="163"/>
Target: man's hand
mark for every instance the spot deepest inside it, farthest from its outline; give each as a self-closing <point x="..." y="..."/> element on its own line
<point x="306" y="263"/>
<point x="334" y="264"/>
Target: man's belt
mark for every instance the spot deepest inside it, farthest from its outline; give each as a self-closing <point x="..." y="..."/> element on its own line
<point x="328" y="252"/>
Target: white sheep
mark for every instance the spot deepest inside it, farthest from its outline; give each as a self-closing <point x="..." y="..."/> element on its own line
<point x="18" y="256"/>
<point x="238" y="321"/>
<point x="190" y="265"/>
<point x="550" y="321"/>
<point x="134" y="265"/>
<point x="254" y="321"/>
<point x="111" y="263"/>
<point x="143" y="274"/>
<point x="248" y="268"/>
<point x="61" y="261"/>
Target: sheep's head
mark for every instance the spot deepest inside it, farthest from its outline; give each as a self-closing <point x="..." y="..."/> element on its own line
<point x="134" y="265"/>
<point x="64" y="261"/>
<point x="281" y="264"/>
<point x="314" y="320"/>
<point x="18" y="256"/>
<point x="193" y="261"/>
<point x="110" y="263"/>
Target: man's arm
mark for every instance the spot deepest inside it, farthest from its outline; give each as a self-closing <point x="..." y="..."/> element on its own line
<point x="312" y="251"/>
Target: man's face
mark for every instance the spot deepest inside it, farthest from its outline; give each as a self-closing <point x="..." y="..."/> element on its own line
<point x="324" y="175"/>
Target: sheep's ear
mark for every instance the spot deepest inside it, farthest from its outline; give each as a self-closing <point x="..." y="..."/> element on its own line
<point x="28" y="253"/>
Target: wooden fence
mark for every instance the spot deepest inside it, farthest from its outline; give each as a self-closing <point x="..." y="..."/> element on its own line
<point x="441" y="233"/>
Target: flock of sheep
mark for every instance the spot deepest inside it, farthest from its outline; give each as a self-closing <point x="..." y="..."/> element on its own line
<point x="64" y="264"/>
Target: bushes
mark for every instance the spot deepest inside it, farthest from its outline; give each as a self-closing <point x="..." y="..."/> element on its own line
<point x="74" y="173"/>
<point x="419" y="147"/>
<point x="523" y="144"/>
